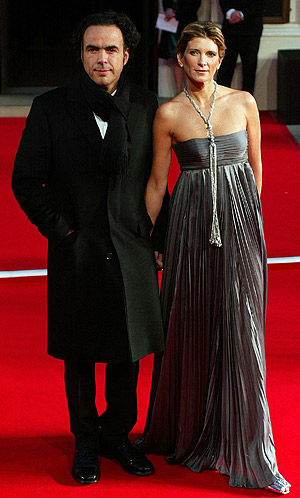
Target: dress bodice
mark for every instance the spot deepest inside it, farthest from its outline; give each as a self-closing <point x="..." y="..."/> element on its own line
<point x="194" y="153"/>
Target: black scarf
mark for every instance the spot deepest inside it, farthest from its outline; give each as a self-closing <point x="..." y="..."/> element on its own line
<point x="114" y="155"/>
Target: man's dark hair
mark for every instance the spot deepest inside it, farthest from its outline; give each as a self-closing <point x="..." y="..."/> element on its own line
<point x="131" y="36"/>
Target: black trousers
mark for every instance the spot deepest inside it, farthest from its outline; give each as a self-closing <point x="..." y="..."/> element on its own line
<point x="121" y="400"/>
<point x="246" y="43"/>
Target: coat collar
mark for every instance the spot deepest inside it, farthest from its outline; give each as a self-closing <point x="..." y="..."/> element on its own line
<point x="84" y="117"/>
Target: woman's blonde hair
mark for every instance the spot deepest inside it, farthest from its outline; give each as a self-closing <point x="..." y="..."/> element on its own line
<point x="201" y="29"/>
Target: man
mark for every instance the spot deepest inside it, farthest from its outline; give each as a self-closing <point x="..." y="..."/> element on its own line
<point x="79" y="175"/>
<point x="242" y="29"/>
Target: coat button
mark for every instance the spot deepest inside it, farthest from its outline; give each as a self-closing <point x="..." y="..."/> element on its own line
<point x="109" y="255"/>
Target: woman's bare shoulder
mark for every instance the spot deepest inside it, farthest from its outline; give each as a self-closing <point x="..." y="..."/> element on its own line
<point x="169" y="111"/>
<point x="236" y="97"/>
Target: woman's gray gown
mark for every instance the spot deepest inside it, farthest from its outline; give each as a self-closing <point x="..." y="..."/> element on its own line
<point x="209" y="408"/>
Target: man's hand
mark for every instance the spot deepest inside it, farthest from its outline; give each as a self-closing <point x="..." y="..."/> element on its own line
<point x="236" y="16"/>
<point x="159" y="260"/>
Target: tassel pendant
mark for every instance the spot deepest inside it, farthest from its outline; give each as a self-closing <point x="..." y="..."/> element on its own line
<point x="215" y="236"/>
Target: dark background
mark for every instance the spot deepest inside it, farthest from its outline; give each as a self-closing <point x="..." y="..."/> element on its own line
<point x="273" y="8"/>
<point x="36" y="47"/>
<point x="277" y="11"/>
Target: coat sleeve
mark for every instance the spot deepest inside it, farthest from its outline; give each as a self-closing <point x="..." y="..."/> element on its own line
<point x="32" y="175"/>
<point x="226" y="5"/>
<point x="169" y="4"/>
<point x="187" y="10"/>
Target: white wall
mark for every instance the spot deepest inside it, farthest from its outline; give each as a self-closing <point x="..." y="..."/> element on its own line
<point x="275" y="37"/>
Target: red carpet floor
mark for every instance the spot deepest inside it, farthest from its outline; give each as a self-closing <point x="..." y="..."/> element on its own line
<point x="36" y="447"/>
<point x="35" y="444"/>
<point x="22" y="247"/>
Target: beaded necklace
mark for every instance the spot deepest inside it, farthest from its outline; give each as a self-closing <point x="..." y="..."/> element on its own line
<point x="215" y="236"/>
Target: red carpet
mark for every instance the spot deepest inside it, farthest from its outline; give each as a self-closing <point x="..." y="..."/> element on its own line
<point x="35" y="445"/>
<point x="22" y="247"/>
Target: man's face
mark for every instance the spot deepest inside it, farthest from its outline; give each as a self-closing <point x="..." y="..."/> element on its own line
<point x="103" y="55"/>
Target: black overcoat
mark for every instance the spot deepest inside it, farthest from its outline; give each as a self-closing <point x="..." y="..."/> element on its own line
<point x="253" y="14"/>
<point x="103" y="301"/>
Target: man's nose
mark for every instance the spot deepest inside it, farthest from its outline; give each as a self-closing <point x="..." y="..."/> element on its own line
<point x="102" y="57"/>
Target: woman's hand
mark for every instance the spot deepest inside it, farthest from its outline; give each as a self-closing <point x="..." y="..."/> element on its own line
<point x="159" y="260"/>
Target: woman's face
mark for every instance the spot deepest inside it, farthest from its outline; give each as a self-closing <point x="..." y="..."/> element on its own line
<point x="200" y="60"/>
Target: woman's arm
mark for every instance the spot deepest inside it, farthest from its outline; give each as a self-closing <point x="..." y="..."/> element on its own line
<point x="162" y="153"/>
<point x="254" y="137"/>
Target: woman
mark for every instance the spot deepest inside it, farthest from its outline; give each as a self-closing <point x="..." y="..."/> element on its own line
<point x="209" y="409"/>
<point x="167" y="46"/>
<point x="185" y="12"/>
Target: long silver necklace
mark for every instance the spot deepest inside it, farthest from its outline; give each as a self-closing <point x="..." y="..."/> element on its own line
<point x="215" y="236"/>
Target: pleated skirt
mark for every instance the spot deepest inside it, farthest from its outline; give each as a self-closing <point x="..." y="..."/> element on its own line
<point x="208" y="407"/>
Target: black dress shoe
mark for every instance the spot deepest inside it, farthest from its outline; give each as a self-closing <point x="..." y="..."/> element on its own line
<point x="85" y="466"/>
<point x="130" y="458"/>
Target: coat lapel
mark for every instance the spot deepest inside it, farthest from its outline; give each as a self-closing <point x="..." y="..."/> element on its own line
<point x="132" y="119"/>
<point x="83" y="116"/>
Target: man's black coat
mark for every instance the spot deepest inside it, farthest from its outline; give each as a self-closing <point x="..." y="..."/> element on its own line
<point x="242" y="38"/>
<point x="103" y="302"/>
<point x="252" y="9"/>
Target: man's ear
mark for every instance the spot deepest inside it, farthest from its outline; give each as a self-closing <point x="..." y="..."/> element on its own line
<point x="126" y="56"/>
